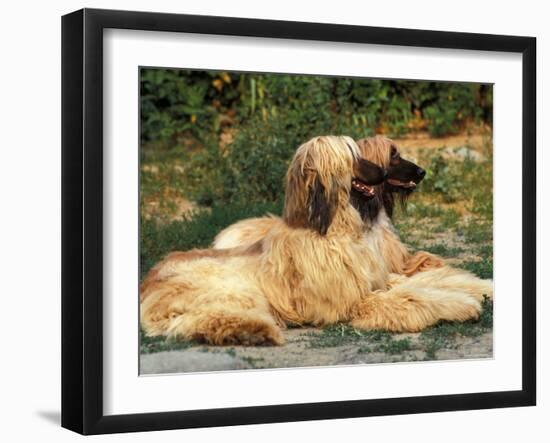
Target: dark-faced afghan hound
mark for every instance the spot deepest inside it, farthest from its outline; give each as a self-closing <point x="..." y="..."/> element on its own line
<point x="402" y="178"/>
<point x="317" y="267"/>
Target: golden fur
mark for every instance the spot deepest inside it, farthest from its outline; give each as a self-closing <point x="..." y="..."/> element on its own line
<point x="381" y="233"/>
<point x="296" y="275"/>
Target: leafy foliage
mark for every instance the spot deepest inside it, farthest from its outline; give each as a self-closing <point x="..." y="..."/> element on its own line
<point x="264" y="117"/>
<point x="203" y="102"/>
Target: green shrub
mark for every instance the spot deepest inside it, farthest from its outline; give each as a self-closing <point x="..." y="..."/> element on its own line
<point x="451" y="105"/>
<point x="202" y="103"/>
<point x="173" y="101"/>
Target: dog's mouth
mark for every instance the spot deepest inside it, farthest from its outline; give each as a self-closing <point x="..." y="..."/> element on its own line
<point x="401" y="184"/>
<point x="363" y="188"/>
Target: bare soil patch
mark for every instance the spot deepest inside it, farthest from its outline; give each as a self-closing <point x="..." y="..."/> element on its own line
<point x="302" y="350"/>
<point x="423" y="140"/>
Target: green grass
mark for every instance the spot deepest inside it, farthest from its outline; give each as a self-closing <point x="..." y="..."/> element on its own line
<point x="478" y="231"/>
<point x="431" y="340"/>
<point x="342" y="334"/>
<point x="395" y="346"/>
<point x="231" y="352"/>
<point x="178" y="171"/>
<point x="148" y="345"/>
<point x="417" y="209"/>
<point x="443" y="250"/>
<point x="482" y="268"/>
<point x="158" y="239"/>
<point x="486" y="251"/>
<point x="434" y="211"/>
<point x="444" y="333"/>
<point x="388" y="346"/>
<point x="254" y="362"/>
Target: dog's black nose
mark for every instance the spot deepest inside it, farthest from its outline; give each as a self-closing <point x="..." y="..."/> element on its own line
<point x="420" y="172"/>
<point x="385" y="174"/>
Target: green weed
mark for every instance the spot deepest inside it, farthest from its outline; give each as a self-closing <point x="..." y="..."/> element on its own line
<point x="443" y="334"/>
<point x="482" y="268"/>
<point x="148" y="345"/>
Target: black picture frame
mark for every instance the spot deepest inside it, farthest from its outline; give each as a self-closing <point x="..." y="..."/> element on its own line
<point x="82" y="218"/>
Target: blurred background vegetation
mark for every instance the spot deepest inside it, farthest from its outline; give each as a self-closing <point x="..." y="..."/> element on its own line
<point x="215" y="147"/>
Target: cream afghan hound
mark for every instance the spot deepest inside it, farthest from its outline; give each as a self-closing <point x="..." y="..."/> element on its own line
<point x="316" y="266"/>
<point x="402" y="178"/>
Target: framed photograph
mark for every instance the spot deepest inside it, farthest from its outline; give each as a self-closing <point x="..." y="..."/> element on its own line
<point x="269" y="221"/>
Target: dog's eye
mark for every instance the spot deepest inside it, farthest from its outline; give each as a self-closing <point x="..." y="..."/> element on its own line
<point x="394" y="153"/>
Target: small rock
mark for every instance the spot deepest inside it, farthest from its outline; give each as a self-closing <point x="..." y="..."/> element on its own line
<point x="462" y="153"/>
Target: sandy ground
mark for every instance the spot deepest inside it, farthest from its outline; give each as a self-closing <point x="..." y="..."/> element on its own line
<point x="301" y="350"/>
<point x="423" y="140"/>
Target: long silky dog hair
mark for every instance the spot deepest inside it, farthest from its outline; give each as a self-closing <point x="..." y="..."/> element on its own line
<point x="376" y="212"/>
<point x="316" y="266"/>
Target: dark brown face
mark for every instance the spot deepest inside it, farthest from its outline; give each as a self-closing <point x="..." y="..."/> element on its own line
<point x="401" y="180"/>
<point x="366" y="175"/>
<point x="403" y="175"/>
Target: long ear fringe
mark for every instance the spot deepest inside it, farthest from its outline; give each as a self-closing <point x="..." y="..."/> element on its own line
<point x="321" y="206"/>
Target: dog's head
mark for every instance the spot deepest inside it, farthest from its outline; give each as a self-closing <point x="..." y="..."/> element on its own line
<point x="402" y="176"/>
<point x="320" y="178"/>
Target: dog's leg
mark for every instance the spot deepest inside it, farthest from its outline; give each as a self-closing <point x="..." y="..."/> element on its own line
<point x="173" y="309"/>
<point x="218" y="328"/>
<point x="408" y="307"/>
<point x="226" y="328"/>
<point x="448" y="278"/>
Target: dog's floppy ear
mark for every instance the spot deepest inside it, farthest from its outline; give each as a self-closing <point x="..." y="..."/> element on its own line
<point x="321" y="204"/>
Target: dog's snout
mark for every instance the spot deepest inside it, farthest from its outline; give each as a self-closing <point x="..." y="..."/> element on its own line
<point x="421" y="172"/>
<point x="384" y="174"/>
